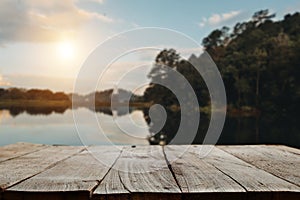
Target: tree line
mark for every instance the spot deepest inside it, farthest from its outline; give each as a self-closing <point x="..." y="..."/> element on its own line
<point x="32" y="94"/>
<point x="258" y="60"/>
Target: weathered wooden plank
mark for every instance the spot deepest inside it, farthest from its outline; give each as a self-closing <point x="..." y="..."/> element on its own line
<point x="111" y="187"/>
<point x="45" y="196"/>
<point x="286" y="148"/>
<point x="198" y="179"/>
<point x="140" y="173"/>
<point x="79" y="174"/>
<point x="18" y="169"/>
<point x="19" y="149"/>
<point x="276" y="161"/>
<point x="235" y="172"/>
<point x="258" y="183"/>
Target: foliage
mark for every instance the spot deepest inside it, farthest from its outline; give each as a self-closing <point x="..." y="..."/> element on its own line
<point x="166" y="62"/>
<point x="32" y="94"/>
<point x="259" y="62"/>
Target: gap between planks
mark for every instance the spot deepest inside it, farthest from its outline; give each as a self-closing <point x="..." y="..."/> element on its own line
<point x="78" y="174"/>
<point x="225" y="169"/>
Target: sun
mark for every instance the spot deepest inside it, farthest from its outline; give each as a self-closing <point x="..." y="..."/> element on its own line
<point x="66" y="50"/>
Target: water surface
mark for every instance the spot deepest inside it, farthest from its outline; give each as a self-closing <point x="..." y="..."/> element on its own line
<point x="133" y="127"/>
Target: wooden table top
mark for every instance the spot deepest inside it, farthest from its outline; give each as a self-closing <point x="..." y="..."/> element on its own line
<point x="36" y="171"/>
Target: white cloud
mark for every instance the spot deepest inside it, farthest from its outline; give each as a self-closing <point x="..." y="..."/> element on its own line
<point x="3" y="81"/>
<point x="98" y="1"/>
<point x="217" y="19"/>
<point x="93" y="15"/>
<point x="95" y="1"/>
<point x="42" y="21"/>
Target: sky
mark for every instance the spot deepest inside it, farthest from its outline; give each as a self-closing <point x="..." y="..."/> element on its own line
<point x="48" y="43"/>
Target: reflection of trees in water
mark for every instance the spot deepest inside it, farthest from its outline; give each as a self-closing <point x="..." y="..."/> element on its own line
<point x="170" y="128"/>
<point x="48" y="110"/>
<point x="274" y="128"/>
<point x="263" y="129"/>
<point x="104" y="110"/>
<point x="117" y="110"/>
<point x="31" y="110"/>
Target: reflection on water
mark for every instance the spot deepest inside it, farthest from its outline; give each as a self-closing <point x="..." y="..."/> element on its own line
<point x="36" y="110"/>
<point x="134" y="126"/>
<point x="59" y="128"/>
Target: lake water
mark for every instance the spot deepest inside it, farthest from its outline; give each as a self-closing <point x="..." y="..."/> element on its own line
<point x="59" y="128"/>
<point x="106" y="127"/>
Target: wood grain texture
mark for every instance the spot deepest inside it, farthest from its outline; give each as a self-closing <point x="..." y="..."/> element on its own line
<point x="140" y="172"/>
<point x="111" y="187"/>
<point x="249" y="176"/>
<point x="149" y="172"/>
<point x="285" y="148"/>
<point x="79" y="174"/>
<point x="279" y="162"/>
<point x="19" y="149"/>
<point x="258" y="183"/>
<point x="195" y="175"/>
<point x="15" y="170"/>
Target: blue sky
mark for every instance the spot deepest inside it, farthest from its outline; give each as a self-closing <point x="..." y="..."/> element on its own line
<point x="44" y="43"/>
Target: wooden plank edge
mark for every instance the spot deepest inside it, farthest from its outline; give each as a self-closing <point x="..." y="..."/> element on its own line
<point x="6" y="189"/>
<point x="286" y="148"/>
<point x="138" y="196"/>
<point x="279" y="195"/>
<point x="19" y="195"/>
<point x="197" y="196"/>
<point x="226" y="147"/>
<point x="115" y="196"/>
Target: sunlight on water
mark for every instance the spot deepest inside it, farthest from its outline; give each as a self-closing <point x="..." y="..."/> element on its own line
<point x="60" y="129"/>
<point x="4" y="116"/>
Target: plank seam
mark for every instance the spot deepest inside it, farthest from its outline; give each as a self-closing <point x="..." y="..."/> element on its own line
<point x="228" y="174"/>
<point x="123" y="183"/>
<point x="100" y="181"/>
<point x="257" y="167"/>
<point x="45" y="147"/>
<point x="230" y="177"/>
<point x="170" y="168"/>
<point x="49" y="167"/>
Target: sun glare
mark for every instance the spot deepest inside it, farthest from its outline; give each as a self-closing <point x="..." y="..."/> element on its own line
<point x="66" y="50"/>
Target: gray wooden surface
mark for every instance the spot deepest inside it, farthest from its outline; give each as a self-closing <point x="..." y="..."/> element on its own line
<point x="33" y="171"/>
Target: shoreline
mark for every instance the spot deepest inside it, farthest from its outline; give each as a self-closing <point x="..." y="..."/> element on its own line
<point x="7" y="104"/>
